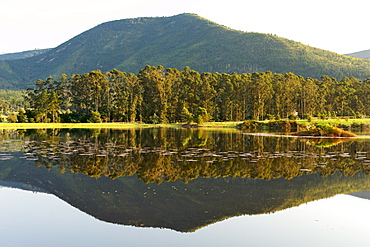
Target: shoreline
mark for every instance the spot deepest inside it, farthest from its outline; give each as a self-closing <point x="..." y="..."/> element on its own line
<point x="209" y="125"/>
<point x="116" y="125"/>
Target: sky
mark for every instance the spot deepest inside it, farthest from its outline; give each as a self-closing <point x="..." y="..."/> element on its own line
<point x="335" y="25"/>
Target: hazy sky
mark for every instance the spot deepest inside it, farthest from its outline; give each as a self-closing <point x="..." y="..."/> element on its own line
<point x="334" y="25"/>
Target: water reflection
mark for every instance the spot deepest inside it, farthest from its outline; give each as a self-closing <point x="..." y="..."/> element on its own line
<point x="136" y="177"/>
<point x="158" y="155"/>
<point x="42" y="220"/>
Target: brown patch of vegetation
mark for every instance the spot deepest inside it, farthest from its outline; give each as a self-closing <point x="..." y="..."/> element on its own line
<point x="325" y="130"/>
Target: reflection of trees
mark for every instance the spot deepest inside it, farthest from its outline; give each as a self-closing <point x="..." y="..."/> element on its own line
<point x="157" y="155"/>
<point x="326" y="142"/>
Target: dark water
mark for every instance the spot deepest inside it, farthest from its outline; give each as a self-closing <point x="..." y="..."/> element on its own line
<point x="177" y="187"/>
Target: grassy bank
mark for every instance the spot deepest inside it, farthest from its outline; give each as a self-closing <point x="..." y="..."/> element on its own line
<point x="81" y="125"/>
<point x="314" y="127"/>
<point x="343" y="123"/>
<point x="213" y="125"/>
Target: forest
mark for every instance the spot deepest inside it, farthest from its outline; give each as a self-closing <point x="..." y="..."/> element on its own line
<point x="158" y="95"/>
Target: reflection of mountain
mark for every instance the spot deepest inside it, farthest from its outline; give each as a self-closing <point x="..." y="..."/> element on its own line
<point x="176" y="205"/>
<point x="21" y="186"/>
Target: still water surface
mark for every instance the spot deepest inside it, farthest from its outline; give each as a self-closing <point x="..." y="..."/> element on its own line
<point x="168" y="187"/>
<point x="29" y="219"/>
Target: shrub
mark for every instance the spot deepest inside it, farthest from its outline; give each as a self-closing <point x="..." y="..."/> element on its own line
<point x="12" y="118"/>
<point x="94" y="117"/>
<point x="201" y="115"/>
<point x="308" y="117"/>
<point x="73" y="117"/>
<point x="321" y="116"/>
<point x="21" y="117"/>
<point x="186" y="116"/>
<point x="154" y="119"/>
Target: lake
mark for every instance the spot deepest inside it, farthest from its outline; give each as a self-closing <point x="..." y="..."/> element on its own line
<point x="181" y="187"/>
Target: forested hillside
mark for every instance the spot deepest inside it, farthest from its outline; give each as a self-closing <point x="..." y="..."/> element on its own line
<point x="176" y="42"/>
<point x="158" y="95"/>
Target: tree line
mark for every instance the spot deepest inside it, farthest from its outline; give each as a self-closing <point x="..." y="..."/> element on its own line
<point x="158" y="95"/>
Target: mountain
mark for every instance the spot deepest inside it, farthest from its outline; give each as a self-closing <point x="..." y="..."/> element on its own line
<point x="361" y="54"/>
<point x="178" y="41"/>
<point x="24" y="54"/>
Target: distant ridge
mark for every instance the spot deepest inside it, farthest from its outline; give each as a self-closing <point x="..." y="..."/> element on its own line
<point x="361" y="54"/>
<point x="176" y="42"/>
<point x="23" y="54"/>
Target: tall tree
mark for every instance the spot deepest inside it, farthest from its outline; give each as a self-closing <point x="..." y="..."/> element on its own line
<point x="156" y="91"/>
<point x="260" y="93"/>
<point x="308" y="103"/>
<point x="53" y="106"/>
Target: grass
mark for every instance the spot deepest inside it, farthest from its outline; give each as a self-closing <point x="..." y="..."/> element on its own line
<point x="78" y="125"/>
<point x="220" y="125"/>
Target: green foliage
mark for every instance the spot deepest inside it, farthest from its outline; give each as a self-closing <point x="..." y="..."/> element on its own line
<point x="31" y="115"/>
<point x="201" y="115"/>
<point x="12" y="118"/>
<point x="158" y="95"/>
<point x="21" y="117"/>
<point x="11" y="101"/>
<point x="73" y="117"/>
<point x="308" y="117"/>
<point x="249" y="124"/>
<point x="292" y="117"/>
<point x="94" y="117"/>
<point x="154" y="119"/>
<point x="322" y="116"/>
<point x="186" y="116"/>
